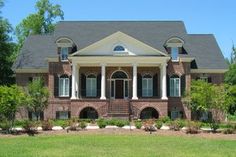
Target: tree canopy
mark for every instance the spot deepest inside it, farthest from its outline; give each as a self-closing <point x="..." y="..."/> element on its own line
<point x="38" y="97"/>
<point x="41" y="22"/>
<point x="6" y="51"/>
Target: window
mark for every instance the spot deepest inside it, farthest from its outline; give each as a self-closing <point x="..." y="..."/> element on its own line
<point x="62" y="114"/>
<point x="126" y="88"/>
<point x="147" y="86"/>
<point x="174" y="53"/>
<point x="33" y="115"/>
<point x="64" y="53"/>
<point x="91" y="86"/>
<point x="64" y="86"/>
<point x="175" y="86"/>
<point x="119" y="48"/>
<point x="204" y="78"/>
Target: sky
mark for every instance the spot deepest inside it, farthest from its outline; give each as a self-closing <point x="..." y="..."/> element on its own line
<point x="216" y="17"/>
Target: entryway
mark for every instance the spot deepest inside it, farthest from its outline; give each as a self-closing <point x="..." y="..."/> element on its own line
<point x="119" y="85"/>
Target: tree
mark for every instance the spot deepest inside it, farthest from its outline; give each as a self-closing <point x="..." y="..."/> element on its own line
<point x="205" y="97"/>
<point x="230" y="76"/>
<point x="38" y="97"/>
<point x="6" y="51"/>
<point x="11" y="98"/>
<point x="41" y="22"/>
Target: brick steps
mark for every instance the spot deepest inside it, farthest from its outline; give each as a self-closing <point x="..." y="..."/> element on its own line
<point x="119" y="108"/>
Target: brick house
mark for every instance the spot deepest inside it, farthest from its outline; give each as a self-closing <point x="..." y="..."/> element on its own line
<point x="118" y="68"/>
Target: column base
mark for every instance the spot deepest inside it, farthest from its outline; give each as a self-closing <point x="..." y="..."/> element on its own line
<point x="74" y="98"/>
<point x="134" y="98"/>
<point x="103" y="98"/>
<point x="164" y="98"/>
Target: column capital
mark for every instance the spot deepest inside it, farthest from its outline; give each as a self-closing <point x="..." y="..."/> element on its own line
<point x="103" y="64"/>
<point x="164" y="64"/>
<point x="134" y="64"/>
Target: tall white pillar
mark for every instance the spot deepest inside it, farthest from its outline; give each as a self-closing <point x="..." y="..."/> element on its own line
<point x="163" y="82"/>
<point x="134" y="82"/>
<point x="103" y="82"/>
<point x="74" y="92"/>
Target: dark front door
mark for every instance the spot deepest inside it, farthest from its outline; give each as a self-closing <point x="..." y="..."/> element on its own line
<point x="119" y="89"/>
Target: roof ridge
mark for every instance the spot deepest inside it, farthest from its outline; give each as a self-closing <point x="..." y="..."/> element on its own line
<point x="123" y="21"/>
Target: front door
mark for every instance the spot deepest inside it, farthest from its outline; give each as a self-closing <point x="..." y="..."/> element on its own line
<point x="119" y="89"/>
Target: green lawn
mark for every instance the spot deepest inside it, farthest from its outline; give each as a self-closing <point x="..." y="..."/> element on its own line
<point x="115" y="145"/>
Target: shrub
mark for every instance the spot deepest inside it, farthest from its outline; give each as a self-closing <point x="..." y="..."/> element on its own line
<point x="228" y="131"/>
<point x="149" y="125"/>
<point x="30" y="126"/>
<point x="138" y="124"/>
<point x="192" y="127"/>
<point x="86" y="120"/>
<point x="177" y="124"/>
<point x="47" y="125"/>
<point x="165" y="120"/>
<point x="82" y="124"/>
<point x="62" y="123"/>
<point x="214" y="126"/>
<point x="101" y="123"/>
<point x="159" y="124"/>
<point x="4" y="125"/>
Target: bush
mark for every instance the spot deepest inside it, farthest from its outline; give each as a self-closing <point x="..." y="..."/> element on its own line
<point x="214" y="126"/>
<point x="138" y="124"/>
<point x="228" y="131"/>
<point x="47" y="125"/>
<point x="86" y="120"/>
<point x="101" y="123"/>
<point x="82" y="125"/>
<point x="159" y="124"/>
<point x="62" y="123"/>
<point x="149" y="125"/>
<point x="177" y="124"/>
<point x="192" y="127"/>
<point x="30" y="127"/>
<point x="5" y="125"/>
<point x="165" y="120"/>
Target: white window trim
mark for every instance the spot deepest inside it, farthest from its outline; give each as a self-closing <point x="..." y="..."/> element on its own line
<point x="179" y="87"/>
<point x="174" y="60"/>
<point x="147" y="88"/>
<point x="66" y="95"/>
<point x="64" y="60"/>
<point x="125" y="52"/>
<point x="204" y="78"/>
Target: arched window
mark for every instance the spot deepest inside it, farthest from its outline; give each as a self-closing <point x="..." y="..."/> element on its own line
<point x="88" y="113"/>
<point x="64" y="85"/>
<point x="147" y="85"/>
<point x="174" y="43"/>
<point x="119" y="75"/>
<point x="149" y="113"/>
<point x="174" y="86"/>
<point x="91" y="85"/>
<point x="119" y="48"/>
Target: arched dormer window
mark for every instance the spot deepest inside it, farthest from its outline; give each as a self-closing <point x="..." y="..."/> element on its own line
<point x="64" y="45"/>
<point x="175" y="86"/>
<point x="147" y="85"/>
<point x="64" y="86"/>
<point x="91" y="85"/>
<point x="174" y="46"/>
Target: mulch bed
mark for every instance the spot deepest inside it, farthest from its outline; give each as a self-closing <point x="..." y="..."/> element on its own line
<point x="130" y="132"/>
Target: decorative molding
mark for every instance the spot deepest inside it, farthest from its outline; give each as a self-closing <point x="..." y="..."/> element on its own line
<point x="208" y="70"/>
<point x="32" y="70"/>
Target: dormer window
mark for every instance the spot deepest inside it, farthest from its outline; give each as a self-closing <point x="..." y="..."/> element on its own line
<point x="174" y="53"/>
<point x="174" y="44"/>
<point x="64" y="53"/>
<point x="119" y="48"/>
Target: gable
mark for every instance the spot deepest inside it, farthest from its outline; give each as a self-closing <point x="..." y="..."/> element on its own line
<point x="105" y="47"/>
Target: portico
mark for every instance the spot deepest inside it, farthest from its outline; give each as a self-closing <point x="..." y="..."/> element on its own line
<point x="128" y="85"/>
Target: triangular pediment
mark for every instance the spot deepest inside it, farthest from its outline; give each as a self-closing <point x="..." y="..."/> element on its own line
<point x="105" y="47"/>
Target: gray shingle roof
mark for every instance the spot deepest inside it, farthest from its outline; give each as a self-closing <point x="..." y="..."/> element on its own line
<point x="154" y="33"/>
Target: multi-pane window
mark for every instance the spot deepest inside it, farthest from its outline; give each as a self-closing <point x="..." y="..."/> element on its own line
<point x="64" y="86"/>
<point x="174" y="86"/>
<point x="126" y="88"/>
<point x="174" y="53"/>
<point x="91" y="86"/>
<point x="62" y="114"/>
<point x="64" y="53"/>
<point x="119" y="48"/>
<point x="147" y="86"/>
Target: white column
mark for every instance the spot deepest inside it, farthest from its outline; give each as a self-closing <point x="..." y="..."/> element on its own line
<point x="74" y="81"/>
<point x="103" y="82"/>
<point x="134" y="82"/>
<point x="163" y="82"/>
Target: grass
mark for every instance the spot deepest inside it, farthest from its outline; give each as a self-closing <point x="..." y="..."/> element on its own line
<point x="115" y="146"/>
